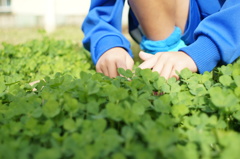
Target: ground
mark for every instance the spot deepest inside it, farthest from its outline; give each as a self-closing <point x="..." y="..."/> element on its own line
<point x="21" y="35"/>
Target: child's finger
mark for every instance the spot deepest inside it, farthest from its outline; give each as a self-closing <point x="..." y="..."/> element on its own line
<point x="98" y="69"/>
<point x="166" y="70"/>
<point x="112" y="70"/>
<point x="105" y="71"/>
<point x="158" y="68"/>
<point x="150" y="63"/>
<point x="145" y="56"/>
<point x="129" y="63"/>
<point x="174" y="74"/>
<point x="32" y="83"/>
<point x="121" y="63"/>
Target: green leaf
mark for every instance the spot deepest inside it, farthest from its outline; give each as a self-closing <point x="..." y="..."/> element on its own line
<point x="93" y="107"/>
<point x="237" y="91"/>
<point x="2" y="84"/>
<point x="138" y="108"/>
<point x="162" y="104"/>
<point x="175" y="87"/>
<point x="115" y="112"/>
<point x="37" y="113"/>
<point x="195" y="120"/>
<point x="221" y="98"/>
<point x="122" y="71"/>
<point x="235" y="69"/>
<point x="148" y="75"/>
<point x="171" y="81"/>
<point x="100" y="125"/>
<point x="128" y="132"/>
<point x="221" y="124"/>
<point x="159" y="83"/>
<point x="184" y="97"/>
<point x="31" y="123"/>
<point x="118" y="155"/>
<point x="48" y="153"/>
<point x="71" y="104"/>
<point x="237" y="80"/>
<point x="92" y="87"/>
<point x="85" y="76"/>
<point x="226" y="80"/>
<point x="116" y="94"/>
<point x="126" y="73"/>
<point x="47" y="126"/>
<point x="166" y="88"/>
<point x="51" y="108"/>
<point x="198" y="89"/>
<point x="237" y="115"/>
<point x="207" y="76"/>
<point x="69" y="125"/>
<point x="166" y="120"/>
<point x="179" y="110"/>
<point x="226" y="70"/>
<point x="186" y="73"/>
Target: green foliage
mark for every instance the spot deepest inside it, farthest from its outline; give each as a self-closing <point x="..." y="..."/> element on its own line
<point x="76" y="113"/>
<point x="39" y="58"/>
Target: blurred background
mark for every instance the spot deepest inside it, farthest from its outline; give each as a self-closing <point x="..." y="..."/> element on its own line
<point x="21" y="20"/>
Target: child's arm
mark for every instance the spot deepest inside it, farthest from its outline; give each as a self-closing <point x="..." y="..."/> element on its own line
<point x="217" y="38"/>
<point x="102" y="29"/>
<point x="217" y="42"/>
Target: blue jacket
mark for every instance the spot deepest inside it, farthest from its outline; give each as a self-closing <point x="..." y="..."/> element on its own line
<point x="216" y="40"/>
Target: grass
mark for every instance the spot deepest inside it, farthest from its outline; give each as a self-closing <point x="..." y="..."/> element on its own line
<point x="21" y="35"/>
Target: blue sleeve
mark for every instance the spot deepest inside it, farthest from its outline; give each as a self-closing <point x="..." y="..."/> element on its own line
<point x="217" y="38"/>
<point x="102" y="28"/>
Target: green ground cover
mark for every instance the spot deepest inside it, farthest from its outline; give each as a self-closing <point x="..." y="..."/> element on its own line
<point x="74" y="112"/>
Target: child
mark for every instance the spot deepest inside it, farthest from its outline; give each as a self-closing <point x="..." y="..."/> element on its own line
<point x="173" y="34"/>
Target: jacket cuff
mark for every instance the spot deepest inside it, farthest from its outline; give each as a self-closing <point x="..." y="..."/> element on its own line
<point x="204" y="53"/>
<point x="107" y="42"/>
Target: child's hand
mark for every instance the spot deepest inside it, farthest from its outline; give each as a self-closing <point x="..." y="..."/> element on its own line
<point x="167" y="63"/>
<point x="113" y="59"/>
